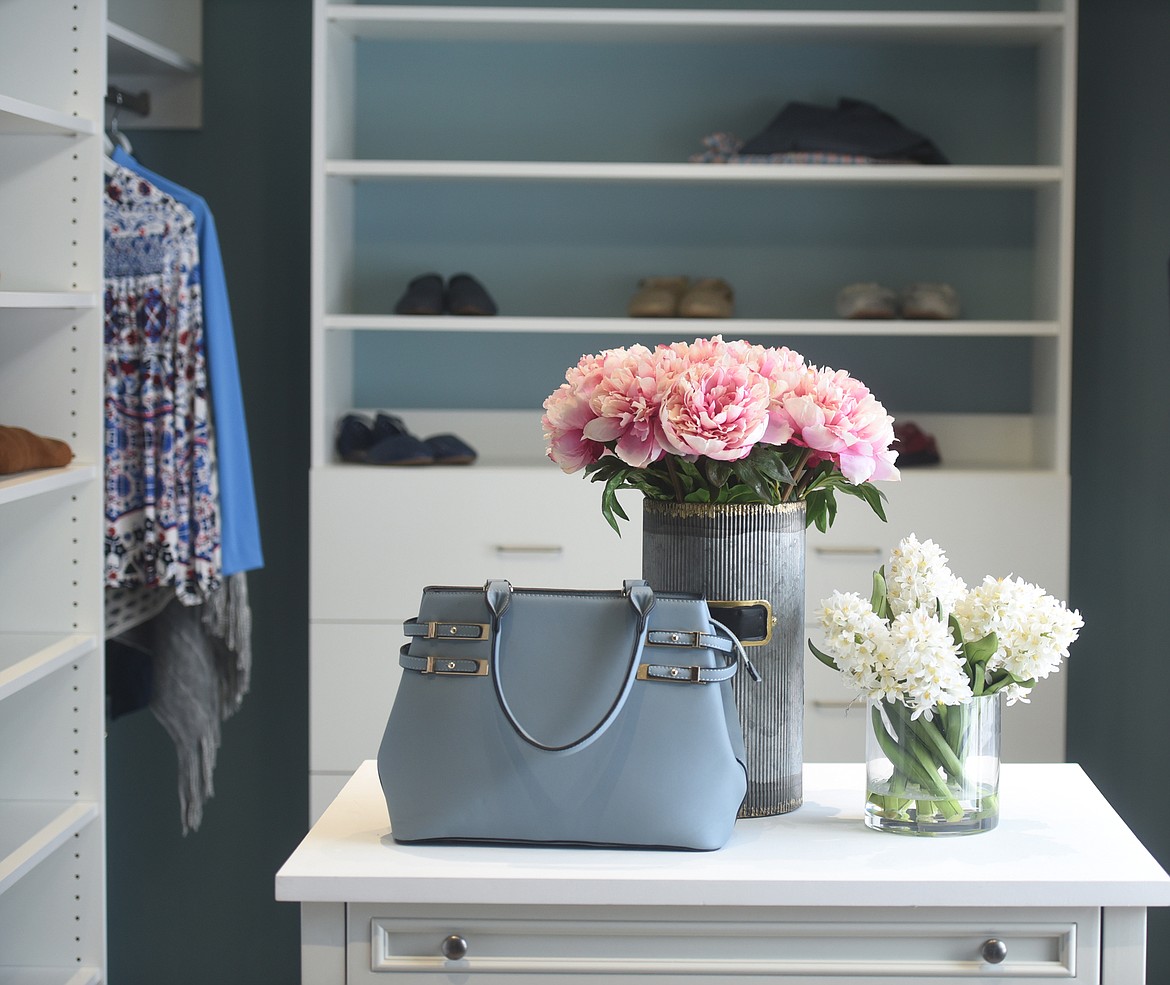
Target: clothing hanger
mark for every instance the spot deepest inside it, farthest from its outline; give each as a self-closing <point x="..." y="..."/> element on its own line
<point x="115" y="135"/>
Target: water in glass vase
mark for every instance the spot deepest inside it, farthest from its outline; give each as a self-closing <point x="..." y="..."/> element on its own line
<point x="937" y="775"/>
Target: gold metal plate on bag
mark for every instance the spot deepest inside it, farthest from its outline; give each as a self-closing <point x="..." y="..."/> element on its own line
<point x="769" y="618"/>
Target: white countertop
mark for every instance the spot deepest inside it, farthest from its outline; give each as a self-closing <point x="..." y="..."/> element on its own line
<point x="1058" y="843"/>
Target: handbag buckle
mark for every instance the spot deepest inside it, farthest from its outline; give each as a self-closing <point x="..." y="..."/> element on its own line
<point x="680" y="675"/>
<point x="678" y="637"/>
<point x="446" y="667"/>
<point x="452" y="630"/>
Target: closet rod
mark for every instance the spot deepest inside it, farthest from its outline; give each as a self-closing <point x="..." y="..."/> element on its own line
<point x="135" y="102"/>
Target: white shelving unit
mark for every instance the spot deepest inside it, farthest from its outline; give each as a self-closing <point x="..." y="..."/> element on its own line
<point x="52" y="826"/>
<point x="544" y="149"/>
<point x="158" y="49"/>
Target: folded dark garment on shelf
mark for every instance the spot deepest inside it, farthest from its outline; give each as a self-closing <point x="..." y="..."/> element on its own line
<point x="724" y="148"/>
<point x="851" y="127"/>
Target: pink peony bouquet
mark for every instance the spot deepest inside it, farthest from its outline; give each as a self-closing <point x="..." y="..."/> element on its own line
<point x="720" y="422"/>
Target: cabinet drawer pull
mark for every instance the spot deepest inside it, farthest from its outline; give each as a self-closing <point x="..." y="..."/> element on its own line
<point x="847" y="551"/>
<point x="454" y="948"/>
<point x="994" y="951"/>
<point x="546" y="549"/>
<point x="842" y="705"/>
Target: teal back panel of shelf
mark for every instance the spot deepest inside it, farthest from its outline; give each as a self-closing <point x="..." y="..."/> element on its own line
<point x="514" y="371"/>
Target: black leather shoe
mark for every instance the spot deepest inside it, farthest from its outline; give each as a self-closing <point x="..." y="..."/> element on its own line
<point x="467" y="296"/>
<point x="423" y="296"/>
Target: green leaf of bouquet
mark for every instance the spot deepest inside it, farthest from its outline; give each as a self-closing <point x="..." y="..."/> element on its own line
<point x="816" y="512"/>
<point x="822" y="656"/>
<point x="770" y="461"/>
<point x="956" y="631"/>
<point x="981" y="650"/>
<point x="698" y="496"/>
<point x="717" y="472"/>
<point x="879" y="600"/>
<point x="750" y="477"/>
<point x="611" y="509"/>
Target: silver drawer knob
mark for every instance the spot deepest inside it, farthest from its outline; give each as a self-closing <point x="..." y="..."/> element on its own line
<point x="994" y="951"/>
<point x="454" y="948"/>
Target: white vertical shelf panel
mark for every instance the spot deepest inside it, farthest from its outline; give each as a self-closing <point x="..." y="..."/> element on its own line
<point x="52" y="766"/>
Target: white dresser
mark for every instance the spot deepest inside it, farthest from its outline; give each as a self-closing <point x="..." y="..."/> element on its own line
<point x="1058" y="891"/>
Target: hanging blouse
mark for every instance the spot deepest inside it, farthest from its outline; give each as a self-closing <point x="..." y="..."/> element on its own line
<point x="162" y="526"/>
<point x="239" y="525"/>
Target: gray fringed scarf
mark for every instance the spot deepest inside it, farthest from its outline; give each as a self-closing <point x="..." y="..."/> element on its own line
<point x="201" y="660"/>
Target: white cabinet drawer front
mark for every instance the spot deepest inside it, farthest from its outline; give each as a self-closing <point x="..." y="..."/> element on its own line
<point x="353" y="677"/>
<point x="381" y="535"/>
<point x="707" y="947"/>
<point x="995" y="523"/>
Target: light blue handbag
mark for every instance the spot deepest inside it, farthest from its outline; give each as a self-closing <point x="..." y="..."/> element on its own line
<point x="544" y="716"/>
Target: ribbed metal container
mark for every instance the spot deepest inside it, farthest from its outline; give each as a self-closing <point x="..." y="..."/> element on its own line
<point x="744" y="553"/>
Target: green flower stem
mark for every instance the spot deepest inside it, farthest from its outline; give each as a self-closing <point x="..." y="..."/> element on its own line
<point x="913" y="760"/>
<point x="950" y="761"/>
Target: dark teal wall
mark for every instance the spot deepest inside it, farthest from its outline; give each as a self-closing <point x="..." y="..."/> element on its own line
<point x="200" y="909"/>
<point x="1118" y="727"/>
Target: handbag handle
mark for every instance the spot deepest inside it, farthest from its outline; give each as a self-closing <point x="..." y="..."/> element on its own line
<point x="641" y="597"/>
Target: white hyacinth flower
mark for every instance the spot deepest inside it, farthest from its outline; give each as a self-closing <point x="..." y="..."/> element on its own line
<point x="918" y="576"/>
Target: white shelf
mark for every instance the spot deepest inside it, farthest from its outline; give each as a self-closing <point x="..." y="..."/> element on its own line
<point x="974" y="176"/>
<point x="50" y="976"/>
<point x="19" y="116"/>
<point x="48" y="299"/>
<point x="685" y="327"/>
<point x="542" y="24"/>
<point x="129" y="53"/>
<point x="23" y="485"/>
<point x="27" y="657"/>
<point x="30" y="831"/>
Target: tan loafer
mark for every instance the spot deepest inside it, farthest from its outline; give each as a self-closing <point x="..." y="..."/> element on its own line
<point x="710" y="297"/>
<point x="657" y="297"/>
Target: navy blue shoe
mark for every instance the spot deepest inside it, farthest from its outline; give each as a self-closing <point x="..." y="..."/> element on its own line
<point x="423" y="296"/>
<point x="355" y="434"/>
<point x="393" y="444"/>
<point x="467" y="296"/>
<point x="448" y="449"/>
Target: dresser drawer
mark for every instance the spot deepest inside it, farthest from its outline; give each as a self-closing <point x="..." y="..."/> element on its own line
<point x="381" y="535"/>
<point x="705" y="946"/>
<point x="353" y="677"/>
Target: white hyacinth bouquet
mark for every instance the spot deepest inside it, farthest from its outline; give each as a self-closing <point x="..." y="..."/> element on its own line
<point x="923" y="647"/>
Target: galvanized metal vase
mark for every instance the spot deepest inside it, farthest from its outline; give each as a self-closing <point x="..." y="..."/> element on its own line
<point x="748" y="560"/>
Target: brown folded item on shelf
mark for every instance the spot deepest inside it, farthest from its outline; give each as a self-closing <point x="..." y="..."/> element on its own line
<point x="21" y="450"/>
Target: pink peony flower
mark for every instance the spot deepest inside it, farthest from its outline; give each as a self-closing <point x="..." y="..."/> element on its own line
<point x="837" y="417"/>
<point x="717" y="407"/>
<point x="565" y="417"/>
<point x="567" y="412"/>
<point x="626" y="403"/>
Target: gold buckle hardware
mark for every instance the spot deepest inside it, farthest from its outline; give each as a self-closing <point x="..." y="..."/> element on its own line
<point x="769" y="617"/>
<point x="680" y="675"/>
<point x="683" y="637"/>
<point x="452" y="634"/>
<point x="445" y="667"/>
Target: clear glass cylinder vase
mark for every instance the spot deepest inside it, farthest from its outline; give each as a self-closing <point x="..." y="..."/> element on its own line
<point x="936" y="775"/>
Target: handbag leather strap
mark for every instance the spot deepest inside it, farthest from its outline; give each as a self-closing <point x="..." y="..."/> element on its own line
<point x="498" y="595"/>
